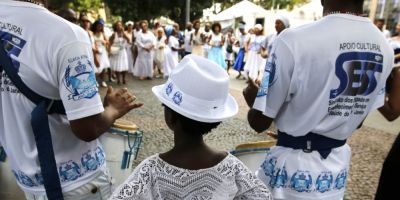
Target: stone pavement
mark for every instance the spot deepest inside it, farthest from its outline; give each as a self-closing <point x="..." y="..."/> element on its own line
<point x="369" y="145"/>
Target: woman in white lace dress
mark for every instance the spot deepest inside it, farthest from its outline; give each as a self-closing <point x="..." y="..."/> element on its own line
<point x="191" y="170"/>
<point x="100" y="51"/>
<point x="255" y="62"/>
<point x="145" y="41"/>
<point x="119" y="57"/>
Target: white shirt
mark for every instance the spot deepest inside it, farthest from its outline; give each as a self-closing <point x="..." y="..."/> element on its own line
<point x="188" y="38"/>
<point x="155" y="179"/>
<point x="305" y="91"/>
<point x="243" y="39"/>
<point x="56" y="66"/>
<point x="145" y="40"/>
<point x="310" y="85"/>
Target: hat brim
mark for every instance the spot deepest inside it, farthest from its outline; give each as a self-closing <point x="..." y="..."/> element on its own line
<point x="230" y="108"/>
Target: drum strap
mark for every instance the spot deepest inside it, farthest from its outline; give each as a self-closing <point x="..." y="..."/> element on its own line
<point x="310" y="142"/>
<point x="40" y="127"/>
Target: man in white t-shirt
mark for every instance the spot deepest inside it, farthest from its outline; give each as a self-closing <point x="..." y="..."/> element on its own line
<point x="54" y="59"/>
<point x="320" y="83"/>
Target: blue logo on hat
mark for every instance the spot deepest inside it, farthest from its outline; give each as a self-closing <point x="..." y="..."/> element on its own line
<point x="169" y="89"/>
<point x="177" y="98"/>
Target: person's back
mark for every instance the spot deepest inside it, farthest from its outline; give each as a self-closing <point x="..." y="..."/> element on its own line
<point x="191" y="169"/>
<point x="54" y="59"/>
<point x="339" y="63"/>
<point x="320" y="83"/>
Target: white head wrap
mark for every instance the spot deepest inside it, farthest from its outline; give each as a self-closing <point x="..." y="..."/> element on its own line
<point x="284" y="20"/>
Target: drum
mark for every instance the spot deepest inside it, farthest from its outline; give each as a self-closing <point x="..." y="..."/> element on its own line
<point x="121" y="144"/>
<point x="253" y="154"/>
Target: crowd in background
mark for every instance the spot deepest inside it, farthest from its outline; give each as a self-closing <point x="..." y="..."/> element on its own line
<point x="148" y="53"/>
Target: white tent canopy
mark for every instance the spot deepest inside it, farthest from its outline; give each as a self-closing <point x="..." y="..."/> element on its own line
<point x="240" y="9"/>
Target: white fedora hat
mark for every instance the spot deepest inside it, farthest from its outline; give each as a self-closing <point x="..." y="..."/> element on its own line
<point x="198" y="89"/>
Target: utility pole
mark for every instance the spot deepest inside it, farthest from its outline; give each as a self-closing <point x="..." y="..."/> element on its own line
<point x="187" y="12"/>
<point x="373" y="7"/>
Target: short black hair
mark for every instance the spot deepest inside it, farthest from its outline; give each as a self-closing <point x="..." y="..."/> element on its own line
<point x="192" y="126"/>
<point x="214" y="25"/>
<point x="380" y="20"/>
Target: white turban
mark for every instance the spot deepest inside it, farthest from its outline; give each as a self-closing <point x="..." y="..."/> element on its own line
<point x="258" y="26"/>
<point x="242" y="26"/>
<point x="284" y="20"/>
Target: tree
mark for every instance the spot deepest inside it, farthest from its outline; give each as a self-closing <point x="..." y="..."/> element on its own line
<point x="77" y="5"/>
<point x="150" y="9"/>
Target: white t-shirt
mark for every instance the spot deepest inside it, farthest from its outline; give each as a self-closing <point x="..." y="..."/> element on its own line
<point x="56" y="66"/>
<point x="324" y="78"/>
<point x="312" y="88"/>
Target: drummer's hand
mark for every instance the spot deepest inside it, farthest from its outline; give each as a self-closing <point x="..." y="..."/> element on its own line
<point x="120" y="101"/>
<point x="250" y="92"/>
<point x="272" y="134"/>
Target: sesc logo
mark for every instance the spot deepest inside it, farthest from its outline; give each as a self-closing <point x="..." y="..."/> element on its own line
<point x="356" y="73"/>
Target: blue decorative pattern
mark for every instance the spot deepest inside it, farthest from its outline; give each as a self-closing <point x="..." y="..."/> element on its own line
<point x="324" y="182"/>
<point x="301" y="181"/>
<point x="80" y="80"/>
<point x="68" y="171"/>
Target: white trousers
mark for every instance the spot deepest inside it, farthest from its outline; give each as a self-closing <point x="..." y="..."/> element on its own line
<point x="98" y="189"/>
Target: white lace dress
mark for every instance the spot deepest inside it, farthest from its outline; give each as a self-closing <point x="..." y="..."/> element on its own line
<point x="154" y="179"/>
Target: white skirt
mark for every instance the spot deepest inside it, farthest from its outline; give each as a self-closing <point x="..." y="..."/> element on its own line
<point x="254" y="64"/>
<point x="119" y="61"/>
<point x="144" y="64"/>
<point x="296" y="175"/>
<point x="130" y="57"/>
<point x="104" y="61"/>
<point x="171" y="60"/>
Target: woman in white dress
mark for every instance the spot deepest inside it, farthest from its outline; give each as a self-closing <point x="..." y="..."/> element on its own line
<point x="160" y="50"/>
<point x="255" y="62"/>
<point x="145" y="41"/>
<point x="119" y="57"/>
<point x="100" y="51"/>
<point x="129" y="33"/>
<point x="171" y="57"/>
<point x="197" y="39"/>
<point x="216" y="43"/>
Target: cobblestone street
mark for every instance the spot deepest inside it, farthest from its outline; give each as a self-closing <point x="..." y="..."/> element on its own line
<point x="369" y="145"/>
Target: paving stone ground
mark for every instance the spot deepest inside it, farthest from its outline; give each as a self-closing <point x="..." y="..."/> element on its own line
<point x="369" y="146"/>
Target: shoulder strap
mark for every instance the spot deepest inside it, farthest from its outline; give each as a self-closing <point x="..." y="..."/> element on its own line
<point x="54" y="106"/>
<point x="40" y="128"/>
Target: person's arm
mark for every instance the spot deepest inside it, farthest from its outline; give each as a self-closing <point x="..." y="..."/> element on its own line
<point x="267" y="99"/>
<point x="397" y="56"/>
<point x="117" y="103"/>
<point x="222" y="40"/>
<point x="391" y="109"/>
<point x="76" y="81"/>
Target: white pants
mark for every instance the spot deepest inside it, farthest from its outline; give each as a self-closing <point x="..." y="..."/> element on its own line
<point x="98" y="189"/>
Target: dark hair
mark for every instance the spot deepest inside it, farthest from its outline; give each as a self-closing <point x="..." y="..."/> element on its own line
<point x="192" y="126"/>
<point x="196" y="22"/>
<point x="214" y="25"/>
<point x="380" y="20"/>
<point x="94" y="26"/>
<point x="115" y="25"/>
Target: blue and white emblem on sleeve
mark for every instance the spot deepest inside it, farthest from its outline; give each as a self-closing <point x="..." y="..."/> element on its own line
<point x="80" y="80"/>
<point x="268" y="77"/>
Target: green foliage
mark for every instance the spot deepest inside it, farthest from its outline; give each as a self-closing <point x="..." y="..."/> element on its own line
<point x="150" y="9"/>
<point x="78" y="5"/>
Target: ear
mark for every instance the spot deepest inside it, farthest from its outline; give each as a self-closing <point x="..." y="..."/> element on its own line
<point x="322" y="2"/>
<point x="170" y="118"/>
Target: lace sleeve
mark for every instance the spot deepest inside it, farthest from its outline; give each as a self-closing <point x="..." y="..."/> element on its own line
<point x="138" y="185"/>
<point x="249" y="186"/>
